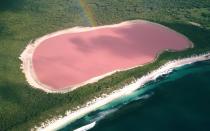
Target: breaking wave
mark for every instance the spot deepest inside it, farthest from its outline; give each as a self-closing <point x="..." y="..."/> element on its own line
<point x="102" y="114"/>
<point x="86" y="127"/>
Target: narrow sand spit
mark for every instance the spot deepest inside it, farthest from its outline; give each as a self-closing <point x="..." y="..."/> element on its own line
<point x="67" y="59"/>
<point x="60" y="122"/>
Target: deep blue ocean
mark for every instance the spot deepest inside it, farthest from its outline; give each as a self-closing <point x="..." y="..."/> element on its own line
<point x="179" y="101"/>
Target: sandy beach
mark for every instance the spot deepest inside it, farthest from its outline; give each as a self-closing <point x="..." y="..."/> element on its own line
<point x="60" y="78"/>
<point x="59" y="122"/>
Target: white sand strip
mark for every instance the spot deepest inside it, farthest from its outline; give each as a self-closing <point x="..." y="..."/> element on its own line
<point x="59" y="122"/>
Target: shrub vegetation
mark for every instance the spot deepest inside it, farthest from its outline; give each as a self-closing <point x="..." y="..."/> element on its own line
<point x="22" y="107"/>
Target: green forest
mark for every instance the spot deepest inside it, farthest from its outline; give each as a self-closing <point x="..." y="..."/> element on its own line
<point x="22" y="107"/>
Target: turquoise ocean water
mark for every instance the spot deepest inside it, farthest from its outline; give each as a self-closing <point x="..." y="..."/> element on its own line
<point x="179" y="101"/>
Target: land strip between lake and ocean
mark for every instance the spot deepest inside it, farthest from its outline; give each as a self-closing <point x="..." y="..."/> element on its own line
<point x="59" y="122"/>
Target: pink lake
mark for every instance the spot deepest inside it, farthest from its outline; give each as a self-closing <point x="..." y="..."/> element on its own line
<point x="63" y="61"/>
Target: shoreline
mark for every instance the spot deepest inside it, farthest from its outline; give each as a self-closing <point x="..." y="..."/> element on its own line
<point x="61" y="121"/>
<point x="27" y="54"/>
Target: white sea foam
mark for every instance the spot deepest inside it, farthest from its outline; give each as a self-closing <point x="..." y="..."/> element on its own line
<point x="102" y="114"/>
<point x="86" y="127"/>
<point x="99" y="117"/>
<point x="146" y="96"/>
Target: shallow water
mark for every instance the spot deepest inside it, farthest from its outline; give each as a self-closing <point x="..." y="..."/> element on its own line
<point x="179" y="101"/>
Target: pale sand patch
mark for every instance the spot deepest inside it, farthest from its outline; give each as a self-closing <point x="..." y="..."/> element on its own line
<point x="195" y="24"/>
<point x="26" y="57"/>
<point x="61" y="121"/>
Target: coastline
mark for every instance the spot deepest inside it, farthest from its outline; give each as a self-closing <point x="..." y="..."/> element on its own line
<point x="27" y="54"/>
<point x="59" y="122"/>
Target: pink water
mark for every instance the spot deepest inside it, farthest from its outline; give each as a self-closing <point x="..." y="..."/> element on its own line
<point x="72" y="58"/>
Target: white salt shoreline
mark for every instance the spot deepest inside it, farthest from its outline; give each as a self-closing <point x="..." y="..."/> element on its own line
<point x="27" y="54"/>
<point x="60" y="122"/>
